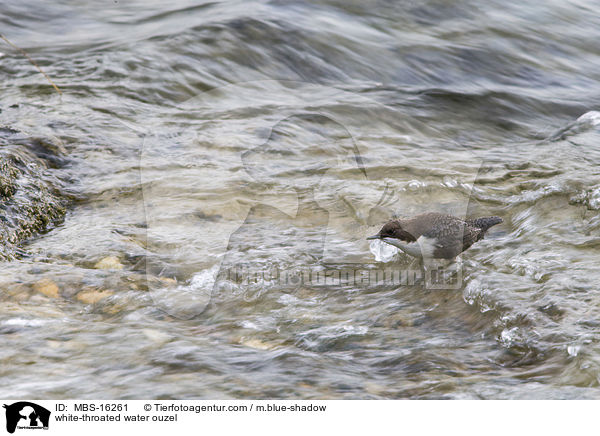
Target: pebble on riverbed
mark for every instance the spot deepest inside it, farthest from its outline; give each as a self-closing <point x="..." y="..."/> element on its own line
<point x="109" y="262"/>
<point x="92" y="296"/>
<point x="157" y="336"/>
<point x="46" y="287"/>
<point x="257" y="344"/>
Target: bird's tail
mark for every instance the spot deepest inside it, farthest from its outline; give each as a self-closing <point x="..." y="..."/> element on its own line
<point x="485" y="222"/>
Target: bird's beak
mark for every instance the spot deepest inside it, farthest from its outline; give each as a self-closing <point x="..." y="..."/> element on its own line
<point x="374" y="237"/>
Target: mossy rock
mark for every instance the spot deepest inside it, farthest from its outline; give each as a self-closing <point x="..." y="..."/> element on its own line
<point x="30" y="196"/>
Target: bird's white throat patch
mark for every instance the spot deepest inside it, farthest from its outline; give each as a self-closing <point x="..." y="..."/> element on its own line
<point x="422" y="247"/>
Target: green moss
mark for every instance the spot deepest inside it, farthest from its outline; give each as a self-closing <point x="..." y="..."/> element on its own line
<point x="30" y="200"/>
<point x="8" y="175"/>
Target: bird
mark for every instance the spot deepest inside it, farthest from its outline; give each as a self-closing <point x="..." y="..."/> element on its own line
<point x="434" y="235"/>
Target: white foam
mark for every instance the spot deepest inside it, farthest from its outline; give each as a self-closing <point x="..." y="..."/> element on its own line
<point x="573" y="350"/>
<point x="21" y="322"/>
<point x="190" y="299"/>
<point x="383" y="252"/>
<point x="508" y="335"/>
<point x="204" y="279"/>
<point x="594" y="199"/>
<point x="591" y="118"/>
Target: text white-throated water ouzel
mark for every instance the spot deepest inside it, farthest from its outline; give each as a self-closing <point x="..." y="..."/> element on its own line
<point x="435" y="235"/>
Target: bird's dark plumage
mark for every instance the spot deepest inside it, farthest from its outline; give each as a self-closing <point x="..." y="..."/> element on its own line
<point x="435" y="235"/>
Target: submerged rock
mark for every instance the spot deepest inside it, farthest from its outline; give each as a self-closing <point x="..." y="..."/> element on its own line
<point x="30" y="200"/>
<point x="47" y="287"/>
<point x="109" y="262"/>
<point x="92" y="296"/>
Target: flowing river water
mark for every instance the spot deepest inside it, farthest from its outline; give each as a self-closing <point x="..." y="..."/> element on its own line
<point x="160" y="218"/>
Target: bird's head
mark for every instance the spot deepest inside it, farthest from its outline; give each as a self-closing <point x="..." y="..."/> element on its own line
<point x="394" y="230"/>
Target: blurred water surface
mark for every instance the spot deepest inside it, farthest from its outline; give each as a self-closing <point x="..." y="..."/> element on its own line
<point x="192" y="137"/>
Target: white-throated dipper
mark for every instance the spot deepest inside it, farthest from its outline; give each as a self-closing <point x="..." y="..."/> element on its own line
<point x="435" y="235"/>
